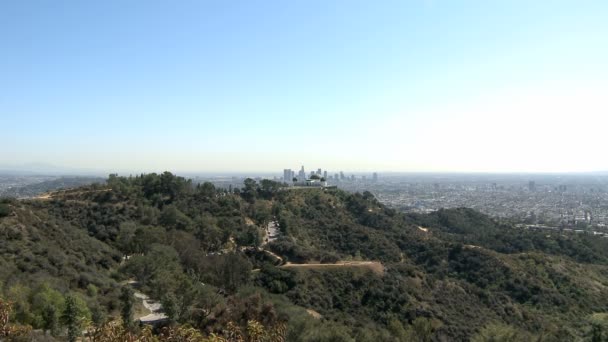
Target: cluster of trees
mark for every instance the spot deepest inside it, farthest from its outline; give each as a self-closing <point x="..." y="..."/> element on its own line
<point x="47" y="310"/>
<point x="110" y="331"/>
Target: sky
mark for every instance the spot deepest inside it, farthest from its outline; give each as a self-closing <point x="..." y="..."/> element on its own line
<point x="212" y="86"/>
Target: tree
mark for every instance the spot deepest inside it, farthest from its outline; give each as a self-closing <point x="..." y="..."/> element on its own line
<point x="269" y="188"/>
<point x="46" y="305"/>
<point x="171" y="307"/>
<point x="71" y="319"/>
<point x="236" y="271"/>
<point x="126" y="310"/>
<point x="4" y="210"/>
<point x="51" y="319"/>
<point x="126" y="236"/>
<point x="171" y="217"/>
<point x="250" y="191"/>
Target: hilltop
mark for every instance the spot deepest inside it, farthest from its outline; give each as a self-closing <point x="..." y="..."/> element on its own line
<point x="341" y="267"/>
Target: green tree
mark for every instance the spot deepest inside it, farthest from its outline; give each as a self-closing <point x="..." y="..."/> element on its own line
<point x="50" y="316"/>
<point x="126" y="309"/>
<point x="46" y="305"/>
<point x="4" y="210"/>
<point x="171" y="217"/>
<point x="250" y="191"/>
<point x="71" y="318"/>
<point x="126" y="237"/>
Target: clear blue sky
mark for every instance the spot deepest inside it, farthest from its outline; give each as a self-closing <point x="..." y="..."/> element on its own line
<point x="262" y="85"/>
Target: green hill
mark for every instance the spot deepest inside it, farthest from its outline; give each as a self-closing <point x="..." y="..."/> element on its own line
<point x="450" y="275"/>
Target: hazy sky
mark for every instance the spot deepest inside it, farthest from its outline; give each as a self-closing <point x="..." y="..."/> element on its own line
<point x="262" y="85"/>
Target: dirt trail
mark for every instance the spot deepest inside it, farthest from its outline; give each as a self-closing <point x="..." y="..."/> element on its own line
<point x="53" y="194"/>
<point x="281" y="261"/>
<point x="154" y="307"/>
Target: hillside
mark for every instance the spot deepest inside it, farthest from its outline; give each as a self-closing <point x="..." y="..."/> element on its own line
<point x="35" y="189"/>
<point x="450" y="275"/>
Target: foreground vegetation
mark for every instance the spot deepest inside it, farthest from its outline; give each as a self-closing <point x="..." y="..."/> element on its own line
<point x="450" y="275"/>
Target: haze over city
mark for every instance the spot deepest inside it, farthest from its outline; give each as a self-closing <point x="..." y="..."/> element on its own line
<point x="207" y="86"/>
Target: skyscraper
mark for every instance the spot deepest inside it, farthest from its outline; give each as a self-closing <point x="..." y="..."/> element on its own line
<point x="302" y="174"/>
<point x="325" y="174"/>
<point x="375" y="177"/>
<point x="287" y="178"/>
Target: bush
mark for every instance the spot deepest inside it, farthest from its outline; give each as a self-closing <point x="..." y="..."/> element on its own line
<point x="5" y="210"/>
<point x="329" y="258"/>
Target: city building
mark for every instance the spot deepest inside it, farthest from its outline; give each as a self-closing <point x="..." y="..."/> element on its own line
<point x="287" y="175"/>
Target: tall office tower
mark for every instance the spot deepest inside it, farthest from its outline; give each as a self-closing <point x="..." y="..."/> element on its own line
<point x="287" y="175"/>
<point x="336" y="177"/>
<point x="375" y="177"/>
<point x="352" y="178"/>
<point x="532" y="186"/>
<point x="293" y="175"/>
<point x="302" y="174"/>
<point x="325" y="174"/>
<point x="364" y="178"/>
<point x="319" y="172"/>
<point x="341" y="175"/>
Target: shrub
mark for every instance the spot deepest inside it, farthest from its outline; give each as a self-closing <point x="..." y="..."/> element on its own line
<point x="5" y="210"/>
